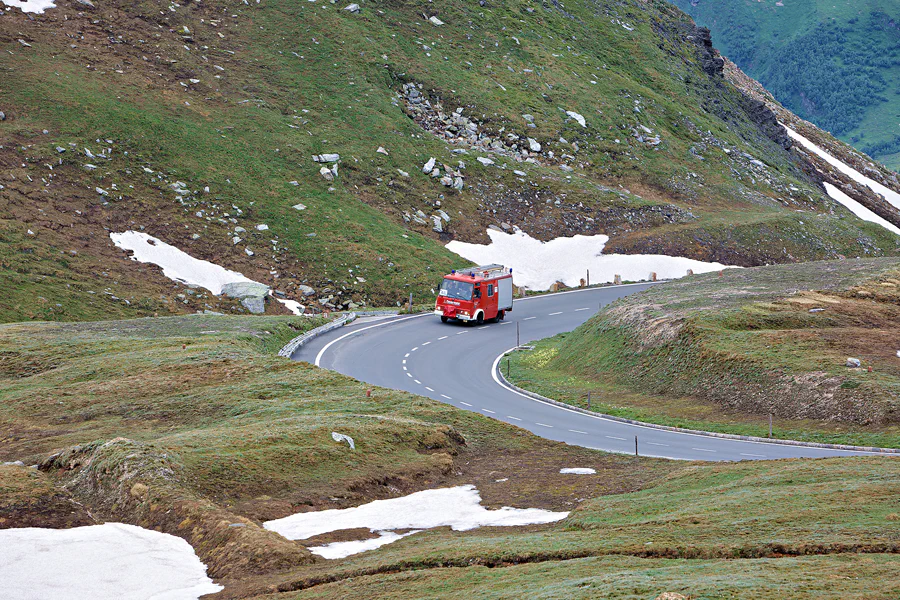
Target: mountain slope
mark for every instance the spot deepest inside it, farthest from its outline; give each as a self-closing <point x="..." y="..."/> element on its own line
<point x="836" y="64"/>
<point x="197" y="123"/>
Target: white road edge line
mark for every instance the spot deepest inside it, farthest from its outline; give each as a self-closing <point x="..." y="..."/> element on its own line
<point x="599" y="418"/>
<point x="355" y="331"/>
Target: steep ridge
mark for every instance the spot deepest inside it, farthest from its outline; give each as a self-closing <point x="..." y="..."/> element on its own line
<point x="287" y="141"/>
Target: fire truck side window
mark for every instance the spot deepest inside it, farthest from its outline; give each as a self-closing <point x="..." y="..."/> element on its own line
<point x="490" y="290"/>
<point x="478" y="291"/>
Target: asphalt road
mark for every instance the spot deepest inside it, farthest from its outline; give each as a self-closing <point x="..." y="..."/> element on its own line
<point x="453" y="363"/>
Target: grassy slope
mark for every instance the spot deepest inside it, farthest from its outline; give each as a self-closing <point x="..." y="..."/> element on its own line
<point x="720" y="353"/>
<point x="280" y="81"/>
<point x="773" y="44"/>
<point x="673" y="536"/>
<point x="199" y="416"/>
<point x="190" y="424"/>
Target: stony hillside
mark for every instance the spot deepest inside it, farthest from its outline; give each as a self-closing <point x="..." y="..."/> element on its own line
<point x="288" y="141"/>
<point x="834" y="63"/>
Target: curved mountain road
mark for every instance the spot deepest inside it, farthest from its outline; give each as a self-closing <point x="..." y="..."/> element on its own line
<point x="453" y="363"/>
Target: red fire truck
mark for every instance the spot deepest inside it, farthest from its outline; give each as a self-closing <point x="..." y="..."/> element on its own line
<point x="476" y="294"/>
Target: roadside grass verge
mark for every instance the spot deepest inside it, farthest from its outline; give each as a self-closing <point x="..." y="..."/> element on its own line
<point x="720" y="353"/>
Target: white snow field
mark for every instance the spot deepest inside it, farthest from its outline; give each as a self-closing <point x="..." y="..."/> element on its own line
<point x="858" y="209"/>
<point x="30" y="6"/>
<point x="577" y="471"/>
<point x="457" y="507"/>
<point x="537" y="265"/>
<point x="112" y="561"/>
<point x="889" y="194"/>
<point x="181" y="266"/>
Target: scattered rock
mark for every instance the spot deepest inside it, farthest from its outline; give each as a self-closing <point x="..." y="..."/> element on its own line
<point x="299" y="207"/>
<point x="574" y="115"/>
<point x="340" y="437"/>
<point x="326" y="173"/>
<point x="60" y="149"/>
<point x="485" y="161"/>
<point x="86" y="3"/>
<point x="324" y="158"/>
<point x="438" y="227"/>
<point x="671" y="596"/>
<point x="354" y="8"/>
<point x="854" y="363"/>
<point x="429" y="166"/>
<point x="306" y="290"/>
<point x="816" y="310"/>
<point x="534" y="145"/>
<point x="381" y="150"/>
<point x="403" y="173"/>
<point x="262" y="227"/>
<point x="435" y="21"/>
<point x="2" y="116"/>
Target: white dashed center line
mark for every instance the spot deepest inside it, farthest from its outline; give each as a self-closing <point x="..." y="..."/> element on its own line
<point x="614" y="438"/>
<point x="554" y="314"/>
<point x="414" y="349"/>
<point x="426" y="343"/>
<point x="488" y="411"/>
<point x="417" y="381"/>
<point x="408" y="374"/>
<point x="404" y="361"/>
<point x="543" y="424"/>
<point x="429" y="389"/>
<point x="513" y="418"/>
<point x="462" y="332"/>
<point x="443" y="338"/>
<point x="406" y="355"/>
<point x="702" y="450"/>
<point x="578" y="309"/>
<point x="755" y="455"/>
<point x="655" y="444"/>
<point x="529" y="318"/>
<point x="464" y="403"/>
<point x="576" y="431"/>
<point x="404" y="368"/>
<point x="446" y="396"/>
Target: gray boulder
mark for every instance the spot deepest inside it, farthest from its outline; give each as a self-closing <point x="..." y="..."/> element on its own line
<point x="242" y="289"/>
<point x="256" y="305"/>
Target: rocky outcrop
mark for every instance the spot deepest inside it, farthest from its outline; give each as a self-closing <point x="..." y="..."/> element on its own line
<point x="766" y="120"/>
<point x="710" y="61"/>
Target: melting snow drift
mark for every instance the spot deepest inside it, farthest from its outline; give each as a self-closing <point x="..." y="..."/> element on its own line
<point x="30" y="6"/>
<point x="112" y="561"/>
<point x="537" y="265"/>
<point x="577" y="471"/>
<point x="458" y="507"/>
<point x="181" y="266"/>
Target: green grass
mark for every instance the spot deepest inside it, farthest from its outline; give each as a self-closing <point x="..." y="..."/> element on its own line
<point x="719" y="353"/>
<point x="836" y="64"/>
<point x="282" y="95"/>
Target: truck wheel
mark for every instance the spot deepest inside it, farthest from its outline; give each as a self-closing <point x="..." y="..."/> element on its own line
<point x="479" y="320"/>
<point x="501" y="315"/>
<point x="444" y="319"/>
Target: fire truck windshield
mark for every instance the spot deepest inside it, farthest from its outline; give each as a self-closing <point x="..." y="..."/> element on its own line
<point x="460" y="290"/>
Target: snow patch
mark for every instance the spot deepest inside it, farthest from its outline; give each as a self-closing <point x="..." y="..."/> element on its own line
<point x="111" y="561"/>
<point x="577" y="471"/>
<point x="537" y="265"/>
<point x="293" y="306"/>
<point x="458" y="507"/>
<point x="176" y="264"/>
<point x="30" y="6"/>
<point x="344" y="549"/>
<point x="890" y="195"/>
<point x="858" y="209"/>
